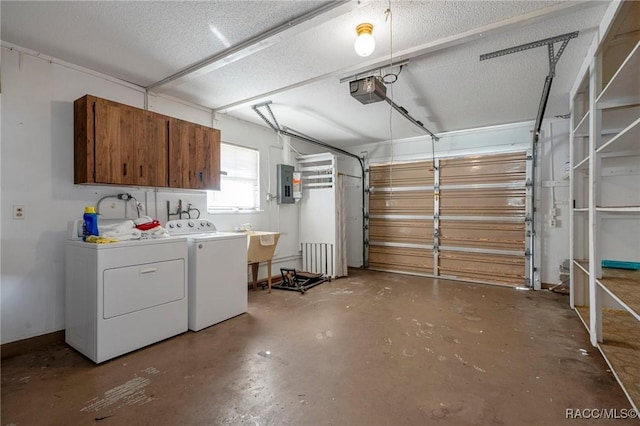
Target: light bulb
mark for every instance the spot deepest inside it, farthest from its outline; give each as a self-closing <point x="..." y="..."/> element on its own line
<point x="365" y="43"/>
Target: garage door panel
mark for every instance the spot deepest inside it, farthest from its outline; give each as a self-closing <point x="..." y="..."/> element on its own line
<point x="479" y="212"/>
<point x="483" y="267"/>
<point x="490" y="235"/>
<point x="401" y="259"/>
<point x="401" y="175"/>
<point x="502" y="168"/>
<point x="401" y="231"/>
<point x="404" y="203"/>
<point x="504" y="202"/>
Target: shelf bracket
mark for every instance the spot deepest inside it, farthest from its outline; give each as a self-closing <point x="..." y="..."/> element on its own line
<point x="549" y="42"/>
<point x="553" y="60"/>
<point x="273" y="124"/>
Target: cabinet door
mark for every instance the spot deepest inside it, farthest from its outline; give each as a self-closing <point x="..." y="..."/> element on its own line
<point x="131" y="145"/>
<point x="194" y="156"/>
<point x="208" y="163"/>
<point x="151" y="161"/>
<point x="117" y="127"/>
<point x="83" y="140"/>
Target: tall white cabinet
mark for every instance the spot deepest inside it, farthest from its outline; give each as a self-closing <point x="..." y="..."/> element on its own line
<point x="605" y="189"/>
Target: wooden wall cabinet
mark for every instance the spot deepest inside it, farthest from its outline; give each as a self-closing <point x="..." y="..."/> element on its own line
<point x="194" y="156"/>
<point x="119" y="144"/>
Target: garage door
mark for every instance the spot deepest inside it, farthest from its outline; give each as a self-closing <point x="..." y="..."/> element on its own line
<point x="467" y="217"/>
<point x="401" y="217"/>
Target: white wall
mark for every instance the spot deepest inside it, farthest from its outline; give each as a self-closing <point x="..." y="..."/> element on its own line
<point x="553" y="192"/>
<point x="37" y="172"/>
<point x="553" y="152"/>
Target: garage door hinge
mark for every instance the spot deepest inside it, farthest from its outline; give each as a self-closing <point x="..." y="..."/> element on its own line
<point x="529" y="157"/>
<point x="366" y="243"/>
<point x="527" y="252"/>
<point x="529" y="184"/>
<point x="367" y="190"/>
<point x="527" y="218"/>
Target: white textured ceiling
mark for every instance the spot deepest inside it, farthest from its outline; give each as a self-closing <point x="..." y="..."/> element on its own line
<point x="444" y="85"/>
<point x="140" y="41"/>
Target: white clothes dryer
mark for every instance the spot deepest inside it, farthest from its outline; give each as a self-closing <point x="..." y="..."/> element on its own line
<point x="123" y="296"/>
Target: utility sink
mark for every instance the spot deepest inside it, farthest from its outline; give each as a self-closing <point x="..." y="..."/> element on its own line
<point x="261" y="245"/>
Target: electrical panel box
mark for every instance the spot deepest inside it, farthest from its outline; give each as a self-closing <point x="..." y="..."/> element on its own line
<point x="285" y="184"/>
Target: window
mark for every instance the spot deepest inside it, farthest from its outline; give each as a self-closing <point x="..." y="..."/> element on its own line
<point x="239" y="180"/>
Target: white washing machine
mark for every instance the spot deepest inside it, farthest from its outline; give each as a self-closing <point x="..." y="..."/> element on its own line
<point x="124" y="296"/>
<point x="218" y="288"/>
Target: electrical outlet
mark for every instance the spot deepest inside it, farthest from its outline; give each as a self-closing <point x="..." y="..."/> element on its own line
<point x="18" y="211"/>
<point x="552" y="223"/>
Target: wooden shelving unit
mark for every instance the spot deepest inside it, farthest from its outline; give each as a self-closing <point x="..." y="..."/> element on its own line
<point x="605" y="189"/>
<point x="620" y="349"/>
<point x="624" y="87"/>
<point x="622" y="285"/>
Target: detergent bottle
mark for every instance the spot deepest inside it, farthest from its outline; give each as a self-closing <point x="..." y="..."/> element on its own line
<point x="90" y="221"/>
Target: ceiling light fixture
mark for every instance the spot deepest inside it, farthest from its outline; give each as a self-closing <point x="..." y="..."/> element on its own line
<point x="365" y="43"/>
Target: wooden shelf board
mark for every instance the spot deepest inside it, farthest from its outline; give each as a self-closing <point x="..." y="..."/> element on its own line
<point x="625" y="285"/>
<point x="621" y="350"/>
<point x="583" y="314"/>
<point x="582" y="128"/>
<point x="619" y="209"/>
<point x="627" y="140"/>
<point x="624" y="87"/>
<point x="582" y="164"/>
<point x="582" y="264"/>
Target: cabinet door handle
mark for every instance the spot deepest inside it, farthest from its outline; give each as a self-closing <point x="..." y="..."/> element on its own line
<point x="201" y="176"/>
<point x="140" y="171"/>
<point x="147" y="271"/>
<point x="124" y="169"/>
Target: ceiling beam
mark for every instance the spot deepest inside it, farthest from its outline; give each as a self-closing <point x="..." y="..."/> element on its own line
<point x="554" y="11"/>
<point x="257" y="43"/>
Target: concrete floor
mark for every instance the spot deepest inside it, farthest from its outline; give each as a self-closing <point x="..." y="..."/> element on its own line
<point x="371" y="349"/>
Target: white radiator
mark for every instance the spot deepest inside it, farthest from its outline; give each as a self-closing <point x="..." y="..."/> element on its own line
<point x="318" y="258"/>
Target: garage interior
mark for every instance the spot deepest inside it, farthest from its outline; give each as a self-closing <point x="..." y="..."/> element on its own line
<point x="469" y="190"/>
